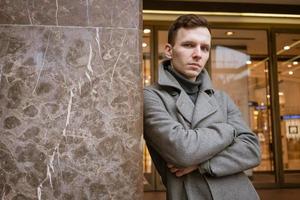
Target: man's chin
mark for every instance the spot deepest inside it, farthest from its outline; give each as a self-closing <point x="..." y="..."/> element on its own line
<point x="194" y="74"/>
<point x="192" y="77"/>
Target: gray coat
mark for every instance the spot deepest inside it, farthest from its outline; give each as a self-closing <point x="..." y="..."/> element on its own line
<point x="210" y="133"/>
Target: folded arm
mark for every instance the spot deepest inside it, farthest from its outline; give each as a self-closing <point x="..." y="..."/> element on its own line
<point x="244" y="153"/>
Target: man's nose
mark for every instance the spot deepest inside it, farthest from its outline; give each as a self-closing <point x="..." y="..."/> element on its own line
<point x="197" y="53"/>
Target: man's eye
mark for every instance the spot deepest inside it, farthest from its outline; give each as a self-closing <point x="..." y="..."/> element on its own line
<point x="205" y="48"/>
<point x="188" y="45"/>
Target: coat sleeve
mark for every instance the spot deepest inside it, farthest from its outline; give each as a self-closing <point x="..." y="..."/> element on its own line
<point x="242" y="154"/>
<point x="176" y="144"/>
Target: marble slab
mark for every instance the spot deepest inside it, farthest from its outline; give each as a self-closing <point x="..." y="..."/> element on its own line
<point x="86" y="13"/>
<point x="70" y="109"/>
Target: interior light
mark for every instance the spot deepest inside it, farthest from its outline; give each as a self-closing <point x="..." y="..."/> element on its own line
<point x="291" y="72"/>
<point x="255" y="112"/>
<point x="280" y="93"/>
<point x="289" y="65"/>
<point x="248" y="62"/>
<point x="144" y="44"/>
<point x="295" y="63"/>
<point x="229" y="33"/>
<point x="172" y="12"/>
<point x="146" y="81"/>
<point x="147" y="30"/>
<point x="268" y="96"/>
<point x="266" y="71"/>
<point x="286" y="47"/>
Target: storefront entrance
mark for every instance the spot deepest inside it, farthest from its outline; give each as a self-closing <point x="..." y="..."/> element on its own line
<point x="259" y="67"/>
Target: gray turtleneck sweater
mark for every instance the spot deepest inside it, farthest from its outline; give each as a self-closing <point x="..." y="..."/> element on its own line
<point x="190" y="87"/>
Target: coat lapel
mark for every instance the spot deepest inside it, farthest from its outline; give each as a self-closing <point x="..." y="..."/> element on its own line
<point x="185" y="106"/>
<point x="205" y="106"/>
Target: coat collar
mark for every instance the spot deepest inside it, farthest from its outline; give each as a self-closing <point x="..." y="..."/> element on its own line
<point x="167" y="79"/>
<point x="205" y="104"/>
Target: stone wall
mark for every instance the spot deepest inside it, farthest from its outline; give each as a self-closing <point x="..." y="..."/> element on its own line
<point x="70" y="99"/>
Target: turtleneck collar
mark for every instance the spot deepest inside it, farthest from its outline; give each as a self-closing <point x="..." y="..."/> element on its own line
<point x="190" y="87"/>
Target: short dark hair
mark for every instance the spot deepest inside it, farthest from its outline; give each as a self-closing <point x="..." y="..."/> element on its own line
<point x="188" y="21"/>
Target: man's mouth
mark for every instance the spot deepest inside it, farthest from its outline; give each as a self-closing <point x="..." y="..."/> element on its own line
<point x="196" y="65"/>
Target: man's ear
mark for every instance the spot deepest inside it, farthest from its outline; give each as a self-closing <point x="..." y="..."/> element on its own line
<point x="168" y="51"/>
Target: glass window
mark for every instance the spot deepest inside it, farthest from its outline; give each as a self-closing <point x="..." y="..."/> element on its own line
<point x="288" y="63"/>
<point x="148" y="168"/>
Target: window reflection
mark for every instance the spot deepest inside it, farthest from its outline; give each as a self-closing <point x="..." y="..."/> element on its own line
<point x="230" y="73"/>
<point x="288" y="58"/>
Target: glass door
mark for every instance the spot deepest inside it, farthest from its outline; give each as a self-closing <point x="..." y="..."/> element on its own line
<point x="239" y="66"/>
<point x="288" y="65"/>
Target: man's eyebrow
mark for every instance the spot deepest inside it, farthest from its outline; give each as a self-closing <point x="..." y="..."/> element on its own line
<point x="188" y="41"/>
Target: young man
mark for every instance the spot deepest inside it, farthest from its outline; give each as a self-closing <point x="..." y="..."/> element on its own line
<point x="195" y="134"/>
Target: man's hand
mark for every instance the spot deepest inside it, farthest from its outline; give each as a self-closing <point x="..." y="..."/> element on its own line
<point x="181" y="171"/>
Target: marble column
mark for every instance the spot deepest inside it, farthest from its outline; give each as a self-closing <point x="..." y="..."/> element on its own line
<point x="70" y="99"/>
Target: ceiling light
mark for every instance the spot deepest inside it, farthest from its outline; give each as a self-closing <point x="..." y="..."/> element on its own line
<point x="291" y="72"/>
<point x="268" y="96"/>
<point x="147" y="30"/>
<point x="289" y="65"/>
<point x="295" y="63"/>
<point x="144" y="44"/>
<point x="286" y="47"/>
<point x="229" y="33"/>
<point x="248" y="62"/>
<point x="280" y="93"/>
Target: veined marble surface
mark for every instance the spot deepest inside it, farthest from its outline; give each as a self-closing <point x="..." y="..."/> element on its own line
<point x="95" y="13"/>
<point x="70" y="106"/>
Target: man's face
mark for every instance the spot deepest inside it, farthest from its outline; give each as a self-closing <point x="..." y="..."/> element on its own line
<point x="190" y="51"/>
